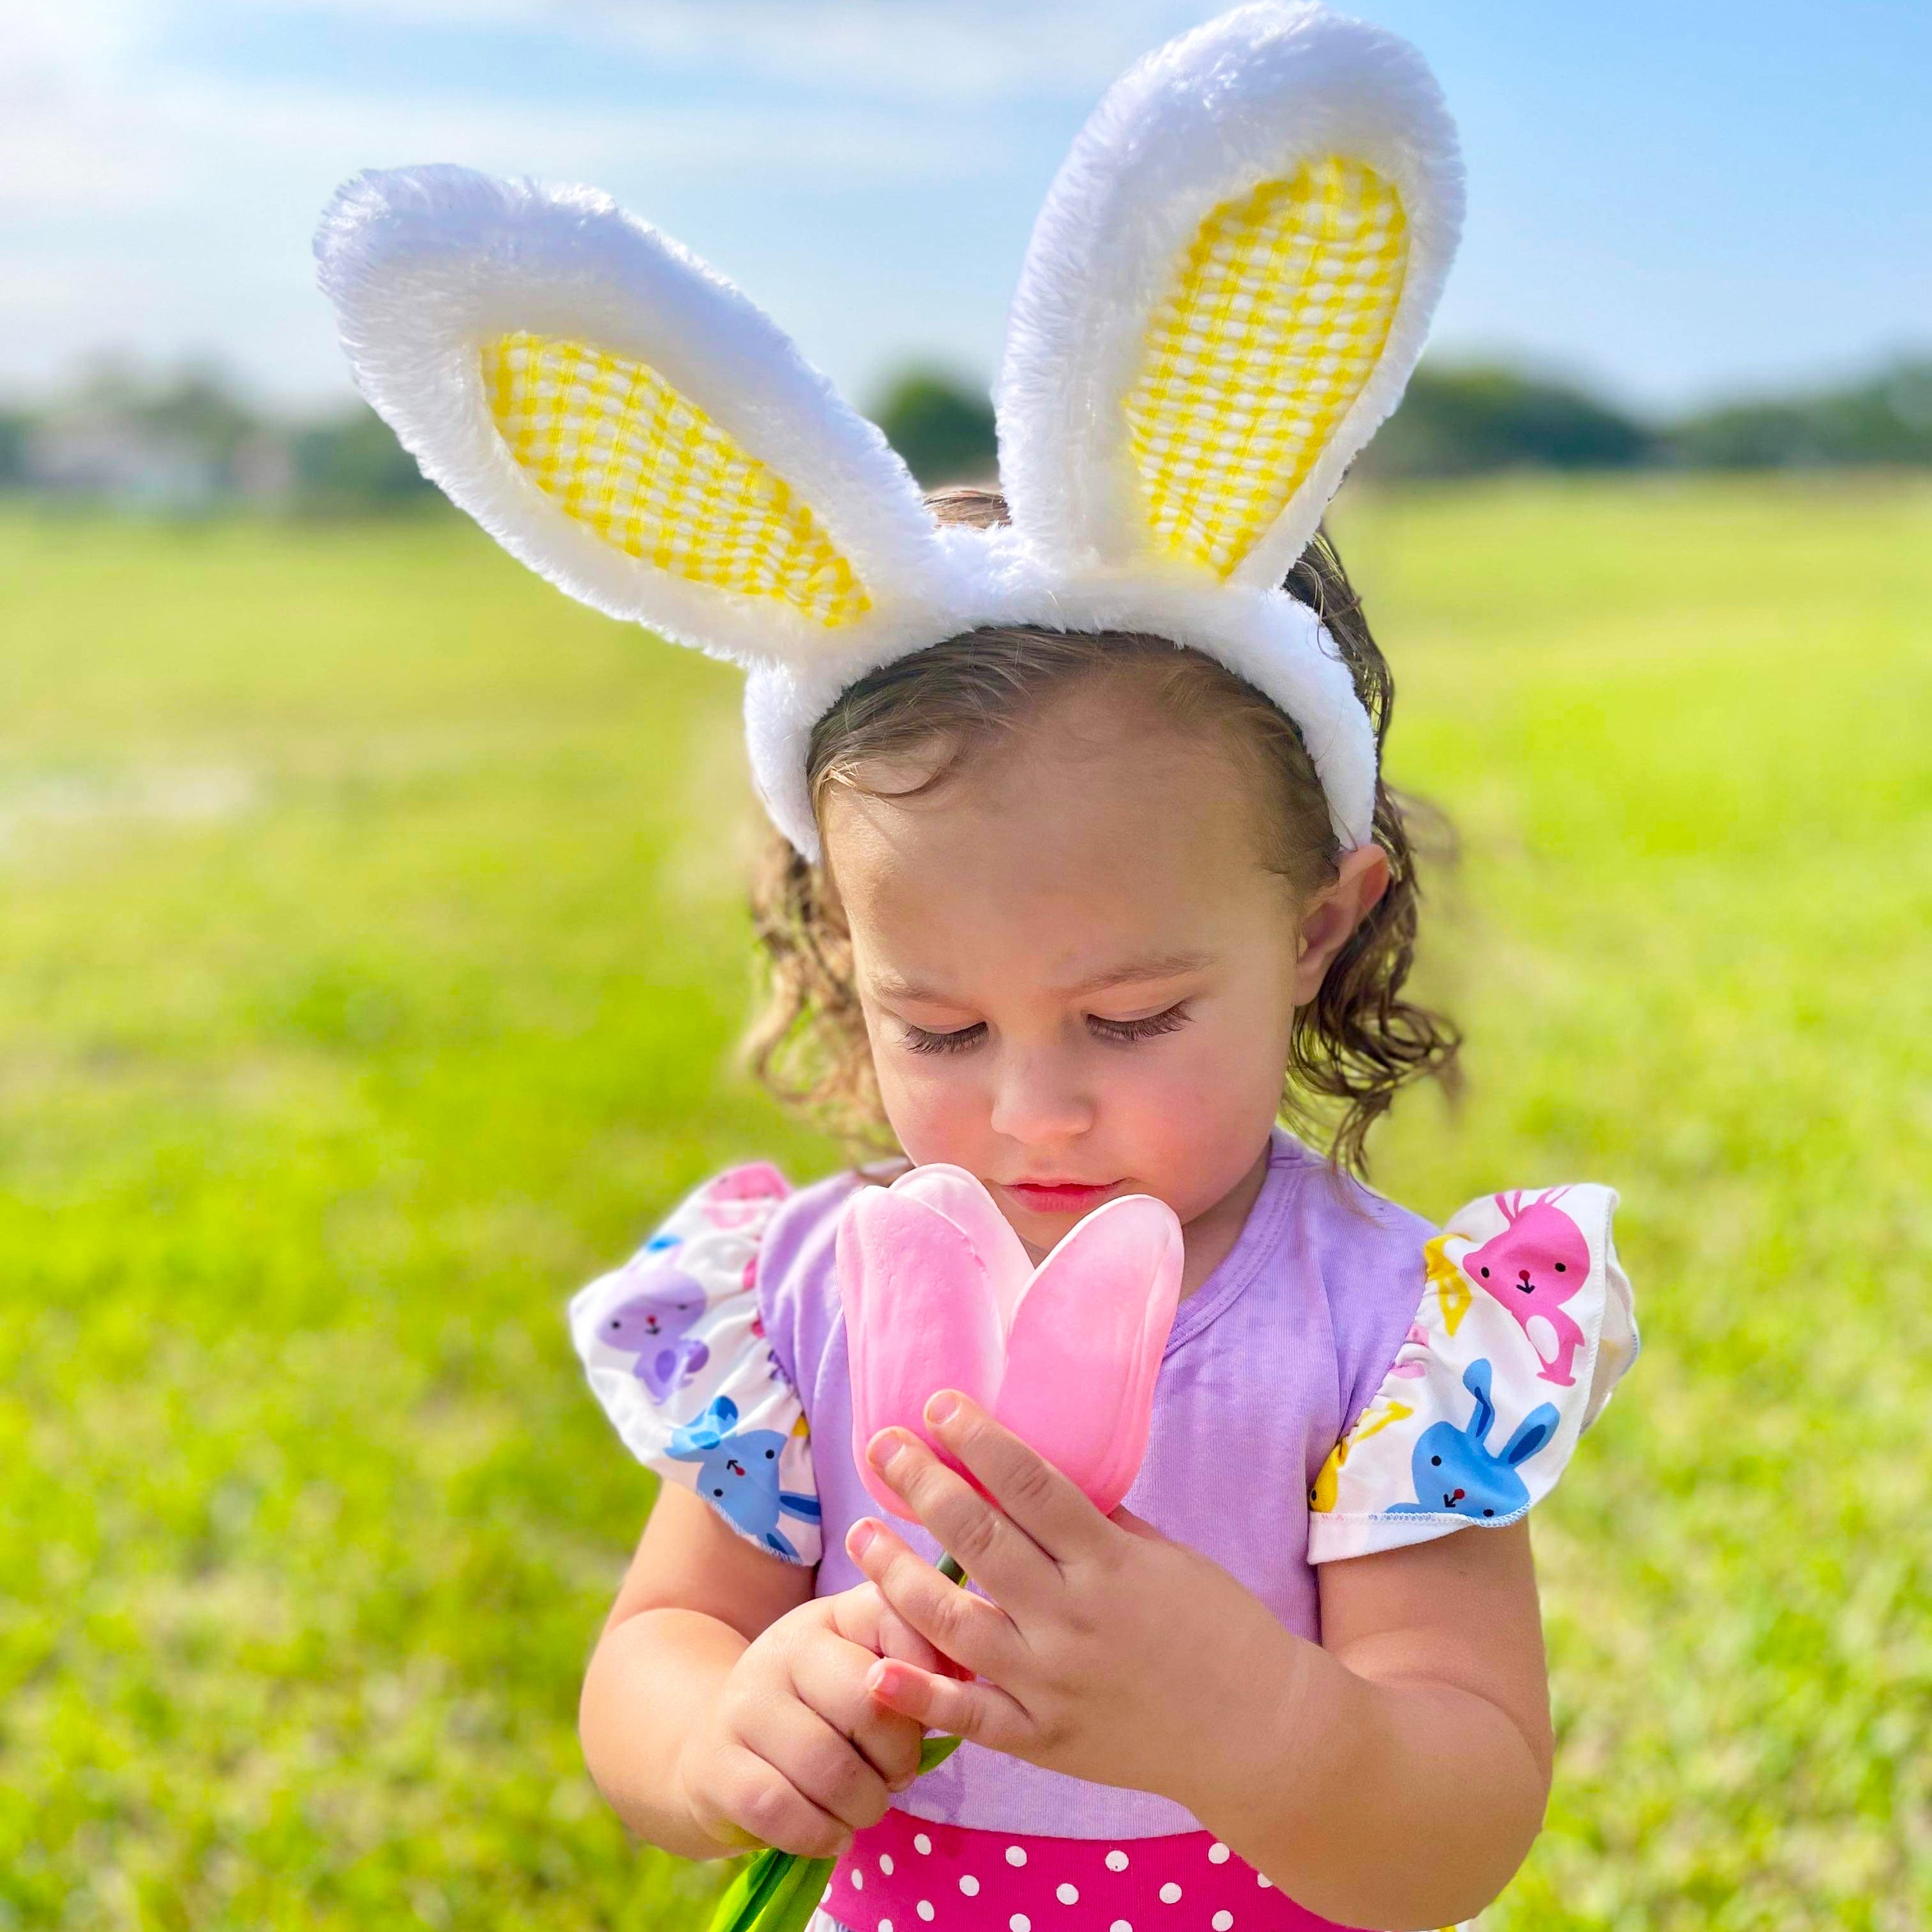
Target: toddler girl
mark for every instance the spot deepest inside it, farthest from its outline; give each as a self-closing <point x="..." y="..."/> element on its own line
<point x="1088" y="878"/>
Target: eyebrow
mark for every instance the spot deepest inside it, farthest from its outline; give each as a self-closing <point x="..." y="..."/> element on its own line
<point x="1131" y="972"/>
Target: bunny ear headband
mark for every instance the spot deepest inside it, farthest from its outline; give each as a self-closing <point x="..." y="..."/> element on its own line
<point x="1224" y="296"/>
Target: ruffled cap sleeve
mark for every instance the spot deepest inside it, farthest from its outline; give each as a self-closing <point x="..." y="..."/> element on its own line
<point x="1526" y="1325"/>
<point x="675" y="1351"/>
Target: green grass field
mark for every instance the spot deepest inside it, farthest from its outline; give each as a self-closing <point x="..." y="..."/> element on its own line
<point x="372" y="954"/>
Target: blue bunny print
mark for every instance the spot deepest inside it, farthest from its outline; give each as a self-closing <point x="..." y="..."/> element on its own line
<point x="1458" y="1466"/>
<point x="738" y="1476"/>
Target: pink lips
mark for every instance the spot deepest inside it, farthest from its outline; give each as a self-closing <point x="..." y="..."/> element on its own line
<point x="1059" y="1197"/>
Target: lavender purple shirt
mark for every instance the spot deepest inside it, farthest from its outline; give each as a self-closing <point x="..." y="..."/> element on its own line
<point x="1269" y="1364"/>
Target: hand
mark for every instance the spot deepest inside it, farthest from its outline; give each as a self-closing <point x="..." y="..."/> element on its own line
<point x="798" y="1752"/>
<point x="1101" y="1649"/>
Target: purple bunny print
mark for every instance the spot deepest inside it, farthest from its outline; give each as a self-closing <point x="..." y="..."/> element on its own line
<point x="654" y="1323"/>
<point x="1455" y="1472"/>
<point x="738" y="1476"/>
<point x="1539" y="1261"/>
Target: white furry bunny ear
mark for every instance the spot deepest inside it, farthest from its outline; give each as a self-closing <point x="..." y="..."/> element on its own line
<point x="622" y="418"/>
<point x="1225" y="293"/>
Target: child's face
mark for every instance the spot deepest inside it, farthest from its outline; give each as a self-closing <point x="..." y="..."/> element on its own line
<point x="1078" y="974"/>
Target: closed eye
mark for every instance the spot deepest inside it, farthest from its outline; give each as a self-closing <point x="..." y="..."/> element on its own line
<point x="923" y="1040"/>
<point x="1125" y="1032"/>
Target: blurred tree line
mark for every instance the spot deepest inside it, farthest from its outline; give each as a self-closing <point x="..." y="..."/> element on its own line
<point x="1461" y="420"/>
<point x="189" y="442"/>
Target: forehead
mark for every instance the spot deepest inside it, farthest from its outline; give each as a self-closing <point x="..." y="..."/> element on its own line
<point x="1099" y="832"/>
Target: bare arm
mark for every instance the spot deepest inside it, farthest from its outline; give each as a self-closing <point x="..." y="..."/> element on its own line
<point x="726" y="1707"/>
<point x="1400" y="1775"/>
<point x="694" y="1598"/>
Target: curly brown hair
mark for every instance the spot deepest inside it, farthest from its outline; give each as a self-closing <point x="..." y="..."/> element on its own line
<point x="1353" y="1047"/>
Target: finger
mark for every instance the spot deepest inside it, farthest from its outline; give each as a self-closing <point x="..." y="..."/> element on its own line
<point x="994" y="1550"/>
<point x="982" y="1713"/>
<point x="752" y="1804"/>
<point x="900" y="1640"/>
<point x="973" y="1632"/>
<point x="862" y="1616"/>
<point x="821" y="1763"/>
<point x="1049" y="1506"/>
<point x="1123" y="1518"/>
<point x="830" y="1677"/>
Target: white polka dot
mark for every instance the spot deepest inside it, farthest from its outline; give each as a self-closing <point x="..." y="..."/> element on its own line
<point x="1221" y="1920"/>
<point x="885" y="1925"/>
<point x="921" y="1842"/>
<point x="1016" y="1854"/>
<point x="970" y="1886"/>
<point x="1262" y="1879"/>
<point x="1169" y="1892"/>
<point x="886" y="1861"/>
<point x="858" y="1879"/>
<point x="1120" y="1925"/>
<point x="1067" y="1895"/>
<point x="1217" y="1854"/>
<point x="1020" y="1922"/>
<point x="1116" y="1861"/>
<point x="924" y="1909"/>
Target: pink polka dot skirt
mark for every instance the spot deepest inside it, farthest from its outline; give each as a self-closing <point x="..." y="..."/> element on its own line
<point x="907" y="1874"/>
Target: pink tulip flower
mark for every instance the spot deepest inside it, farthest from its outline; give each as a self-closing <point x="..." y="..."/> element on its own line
<point x="939" y="1293"/>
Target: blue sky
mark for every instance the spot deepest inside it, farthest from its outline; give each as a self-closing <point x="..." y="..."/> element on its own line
<point x="1674" y="200"/>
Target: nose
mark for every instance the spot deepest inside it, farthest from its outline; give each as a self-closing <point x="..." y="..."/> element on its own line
<point x="1039" y="1099"/>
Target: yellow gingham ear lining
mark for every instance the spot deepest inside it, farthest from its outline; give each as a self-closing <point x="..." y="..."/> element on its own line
<point x="1276" y="319"/>
<point x="620" y="450"/>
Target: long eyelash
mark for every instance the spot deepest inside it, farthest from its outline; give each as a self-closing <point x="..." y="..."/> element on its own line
<point x="919" y="1039"/>
<point x="1175" y="1017"/>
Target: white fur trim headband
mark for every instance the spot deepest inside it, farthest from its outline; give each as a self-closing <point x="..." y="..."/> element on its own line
<point x="1224" y="296"/>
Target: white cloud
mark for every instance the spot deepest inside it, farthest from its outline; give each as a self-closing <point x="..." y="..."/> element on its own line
<point x="88" y="125"/>
<point x="149" y="206"/>
<point x="65" y="143"/>
<point x="944" y="49"/>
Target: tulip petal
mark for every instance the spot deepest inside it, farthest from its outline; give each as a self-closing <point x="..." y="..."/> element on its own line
<point x="965" y="1201"/>
<point x="919" y="1316"/>
<point x="1144" y="1371"/>
<point x="1086" y="1342"/>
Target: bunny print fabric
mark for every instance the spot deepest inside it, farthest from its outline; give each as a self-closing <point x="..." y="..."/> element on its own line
<point x="675" y="1351"/>
<point x="1526" y="1327"/>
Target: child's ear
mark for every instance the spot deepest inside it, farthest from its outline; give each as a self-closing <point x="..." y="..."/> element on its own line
<point x="1332" y="915"/>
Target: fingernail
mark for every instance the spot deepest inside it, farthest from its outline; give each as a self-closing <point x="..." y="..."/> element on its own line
<point x="859" y="1538"/>
<point x="885" y="1449"/>
<point x="942" y="1407"/>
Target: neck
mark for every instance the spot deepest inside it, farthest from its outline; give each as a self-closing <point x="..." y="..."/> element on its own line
<point x="1208" y="1239"/>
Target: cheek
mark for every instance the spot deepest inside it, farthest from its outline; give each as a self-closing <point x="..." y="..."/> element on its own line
<point x="1196" y="1116"/>
<point x="937" y="1109"/>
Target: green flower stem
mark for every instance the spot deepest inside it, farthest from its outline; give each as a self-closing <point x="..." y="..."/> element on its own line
<point x="778" y="1892"/>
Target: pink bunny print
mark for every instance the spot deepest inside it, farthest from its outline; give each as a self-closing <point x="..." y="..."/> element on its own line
<point x="1539" y="1261"/>
<point x="743" y="1197"/>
